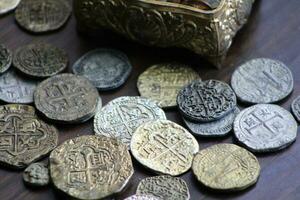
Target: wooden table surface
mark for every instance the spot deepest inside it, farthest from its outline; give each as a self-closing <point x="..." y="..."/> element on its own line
<point x="273" y="31"/>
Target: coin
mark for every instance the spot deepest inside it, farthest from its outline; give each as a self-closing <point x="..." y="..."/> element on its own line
<point x="220" y="127"/>
<point x="106" y="68"/>
<point x="42" y="15"/>
<point x="91" y="167"/>
<point x="206" y="101"/>
<point x="226" y="167"/>
<point x="161" y="83"/>
<point x="265" y="127"/>
<point x="8" y="5"/>
<point x="24" y="138"/>
<point x="121" y="117"/>
<point x="164" y="187"/>
<point x="262" y="81"/>
<point x="5" y="57"/>
<point x="142" y="197"/>
<point x="164" y="147"/>
<point x="296" y="108"/>
<point x="40" y="60"/>
<point x="36" y="174"/>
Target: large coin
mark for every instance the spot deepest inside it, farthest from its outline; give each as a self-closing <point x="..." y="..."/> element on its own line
<point x="206" y="101"/>
<point x="142" y="197"/>
<point x="164" y="187"/>
<point x="226" y="167"/>
<point x="40" y="60"/>
<point x="164" y="147"/>
<point x="5" y="58"/>
<point x="42" y="15"/>
<point x="121" y="117"/>
<point x="296" y="108"/>
<point x="8" y="5"/>
<point x="23" y="137"/>
<point x="36" y="174"/>
<point x="162" y="82"/>
<point x="66" y="98"/>
<point x="265" y="127"/>
<point x="91" y="167"/>
<point x="262" y="81"/>
<point x="106" y="68"/>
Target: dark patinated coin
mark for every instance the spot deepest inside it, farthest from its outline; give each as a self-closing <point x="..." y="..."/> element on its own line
<point x="206" y="101"/>
<point x="42" y="15"/>
<point x="40" y="60"/>
<point x="106" y="68"/>
<point x="36" y="174"/>
<point x="296" y="108"/>
<point x="5" y="58"/>
<point x="8" y="5"/>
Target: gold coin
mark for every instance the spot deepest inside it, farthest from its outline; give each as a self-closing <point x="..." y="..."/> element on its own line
<point x="91" y="167"/>
<point x="164" y="147"/>
<point x="162" y="82"/>
<point x="226" y="167"/>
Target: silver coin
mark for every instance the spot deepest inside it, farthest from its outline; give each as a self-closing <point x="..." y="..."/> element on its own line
<point x="5" y="58"/>
<point x="36" y="174"/>
<point x="142" y="197"/>
<point x="8" y="5"/>
<point x="106" y="68"/>
<point x="220" y="127"/>
<point x="262" y="81"/>
<point x="296" y="108"/>
<point x="265" y="127"/>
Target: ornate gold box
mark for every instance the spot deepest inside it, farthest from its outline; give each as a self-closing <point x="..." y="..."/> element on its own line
<point x="203" y="30"/>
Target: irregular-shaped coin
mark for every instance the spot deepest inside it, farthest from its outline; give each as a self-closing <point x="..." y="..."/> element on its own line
<point x="164" y="147"/>
<point x="121" y="117"/>
<point x="107" y="69"/>
<point x="8" y="5"/>
<point x="162" y="82"/>
<point x="262" y="81"/>
<point x="142" y="197"/>
<point x="91" y="167"/>
<point x="226" y="167"/>
<point x="5" y="57"/>
<point x="36" y="174"/>
<point x="164" y="187"/>
<point x="296" y="108"/>
<point x="265" y="127"/>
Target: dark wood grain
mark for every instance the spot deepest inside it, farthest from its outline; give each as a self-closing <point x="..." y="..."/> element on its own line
<point x="273" y="31"/>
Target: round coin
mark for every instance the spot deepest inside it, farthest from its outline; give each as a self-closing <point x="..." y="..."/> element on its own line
<point x="5" y="57"/>
<point x="42" y="15"/>
<point x="91" y="167"/>
<point x="36" y="174"/>
<point x="164" y="147"/>
<point x="8" y="5"/>
<point x="296" y="108"/>
<point x="164" y="187"/>
<point x="265" y="127"/>
<point x="121" y="117"/>
<point x="106" y="68"/>
<point x="161" y="83"/>
<point x="262" y="81"/>
<point x="142" y="197"/>
<point x="206" y="101"/>
<point x="40" y="60"/>
<point x="226" y="167"/>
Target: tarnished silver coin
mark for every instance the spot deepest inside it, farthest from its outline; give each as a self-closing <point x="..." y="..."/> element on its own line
<point x="121" y="117"/>
<point x="296" y="108"/>
<point x="142" y="197"/>
<point x="265" y="127"/>
<point x="164" y="187"/>
<point x="5" y="58"/>
<point x="106" y="68"/>
<point x="36" y="174"/>
<point x="220" y="127"/>
<point x="262" y="80"/>
<point x="206" y="101"/>
<point x="8" y="5"/>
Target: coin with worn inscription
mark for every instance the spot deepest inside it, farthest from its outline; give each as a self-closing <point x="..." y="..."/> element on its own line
<point x="91" y="167"/>
<point x="162" y="82"/>
<point x="262" y="81"/>
<point x="106" y="68"/>
<point x="24" y="138"/>
<point x="164" y="147"/>
<point x="121" y="117"/>
<point x="67" y="98"/>
<point x="142" y="197"/>
<point x="206" y="101"/>
<point x="296" y="108"/>
<point x="42" y="15"/>
<point x="265" y="127"/>
<point x="226" y="167"/>
<point x="164" y="187"/>
<point x="40" y="60"/>
<point x="36" y="174"/>
<point x="8" y="5"/>
<point x="5" y="58"/>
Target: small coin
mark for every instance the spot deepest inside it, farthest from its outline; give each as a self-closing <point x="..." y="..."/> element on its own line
<point x="142" y="197"/>
<point x="296" y="108"/>
<point x="5" y="57"/>
<point x="164" y="187"/>
<point x="206" y="101"/>
<point x="42" y="15"/>
<point x="91" y="167"/>
<point x="164" y="147"/>
<point x="8" y="5"/>
<point x="226" y="167"/>
<point x="161" y="83"/>
<point x="262" y="81"/>
<point x="40" y="60"/>
<point x="107" y="69"/>
<point x="121" y="117"/>
<point x="265" y="127"/>
<point x="36" y="174"/>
